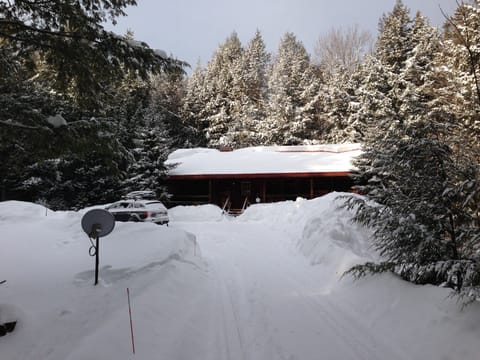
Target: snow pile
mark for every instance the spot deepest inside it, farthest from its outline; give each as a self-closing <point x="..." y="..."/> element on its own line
<point x="196" y="213"/>
<point x="411" y="321"/>
<point x="18" y="210"/>
<point x="320" y="229"/>
<point x="50" y="275"/>
<point x="38" y="232"/>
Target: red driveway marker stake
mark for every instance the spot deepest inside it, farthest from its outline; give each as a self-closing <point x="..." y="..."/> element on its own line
<point x="131" y="323"/>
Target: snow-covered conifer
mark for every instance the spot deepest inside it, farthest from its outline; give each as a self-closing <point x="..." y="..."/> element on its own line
<point x="70" y="41"/>
<point x="293" y="95"/>
<point x="394" y="41"/>
<point x="223" y="102"/>
<point x="414" y="186"/>
<point x="252" y="70"/>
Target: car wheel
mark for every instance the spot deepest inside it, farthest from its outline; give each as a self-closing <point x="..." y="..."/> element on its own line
<point x="133" y="219"/>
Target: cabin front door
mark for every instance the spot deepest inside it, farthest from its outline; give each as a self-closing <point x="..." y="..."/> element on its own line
<point x="240" y="192"/>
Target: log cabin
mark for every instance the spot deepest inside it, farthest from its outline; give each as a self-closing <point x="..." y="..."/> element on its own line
<point x="234" y="179"/>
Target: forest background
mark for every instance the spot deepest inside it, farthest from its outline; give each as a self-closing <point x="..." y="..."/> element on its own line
<point x="82" y="124"/>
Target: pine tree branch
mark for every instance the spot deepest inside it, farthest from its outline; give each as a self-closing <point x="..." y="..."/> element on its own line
<point x="17" y="39"/>
<point x="19" y="24"/>
<point x="11" y="123"/>
<point x="467" y="43"/>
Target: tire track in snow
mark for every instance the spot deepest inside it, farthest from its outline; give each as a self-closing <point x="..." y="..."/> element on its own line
<point x="232" y="334"/>
<point x="245" y="331"/>
<point x="298" y="278"/>
<point x="283" y="299"/>
<point x="231" y="343"/>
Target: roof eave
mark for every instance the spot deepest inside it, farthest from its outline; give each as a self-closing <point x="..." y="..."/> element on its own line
<point x="260" y="175"/>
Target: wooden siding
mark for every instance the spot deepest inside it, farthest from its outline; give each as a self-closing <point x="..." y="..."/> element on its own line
<point x="238" y="188"/>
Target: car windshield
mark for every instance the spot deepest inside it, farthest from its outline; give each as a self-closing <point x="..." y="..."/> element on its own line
<point x="120" y="205"/>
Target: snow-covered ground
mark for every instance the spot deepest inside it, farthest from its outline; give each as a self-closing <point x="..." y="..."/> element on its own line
<point x="264" y="285"/>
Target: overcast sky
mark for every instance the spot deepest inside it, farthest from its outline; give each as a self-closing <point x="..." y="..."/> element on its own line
<point x="191" y="30"/>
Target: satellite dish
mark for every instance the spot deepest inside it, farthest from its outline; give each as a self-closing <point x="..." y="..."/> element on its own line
<point x="98" y="223"/>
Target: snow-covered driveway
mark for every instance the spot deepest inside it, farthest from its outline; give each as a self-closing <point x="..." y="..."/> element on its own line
<point x="264" y="301"/>
<point x="265" y="285"/>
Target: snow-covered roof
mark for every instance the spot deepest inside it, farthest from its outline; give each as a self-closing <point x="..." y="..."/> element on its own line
<point x="330" y="158"/>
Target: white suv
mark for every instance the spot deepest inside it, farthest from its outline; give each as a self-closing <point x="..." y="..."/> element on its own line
<point x="139" y="210"/>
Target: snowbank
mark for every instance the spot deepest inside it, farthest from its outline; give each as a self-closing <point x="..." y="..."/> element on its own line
<point x="196" y="213"/>
<point x="320" y="230"/>
<point x="45" y="259"/>
<point x="421" y="322"/>
<point x="31" y="233"/>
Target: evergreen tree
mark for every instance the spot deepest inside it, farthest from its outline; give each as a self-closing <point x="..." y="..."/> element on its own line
<point x="223" y="104"/>
<point x="71" y="94"/>
<point x="148" y="171"/>
<point x="380" y="82"/>
<point x="159" y="131"/>
<point x="252" y="84"/>
<point x="80" y="168"/>
<point x="22" y="141"/>
<point x="460" y="73"/>
<point x="293" y="95"/>
<point x="457" y="91"/>
<point x="394" y="40"/>
<point x="193" y="110"/>
<point x="166" y="101"/>
<point x="78" y="55"/>
<point x="340" y="102"/>
<point x="413" y="184"/>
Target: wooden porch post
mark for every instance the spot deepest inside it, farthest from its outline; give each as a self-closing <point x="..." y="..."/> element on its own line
<point x="210" y="195"/>
<point x="264" y="190"/>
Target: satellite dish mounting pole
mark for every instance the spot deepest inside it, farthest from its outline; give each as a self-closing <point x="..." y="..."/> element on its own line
<point x="96" y="230"/>
<point x="97" y="223"/>
<point x="97" y="243"/>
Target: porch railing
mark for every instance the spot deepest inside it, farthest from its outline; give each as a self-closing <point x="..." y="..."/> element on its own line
<point x="246" y="203"/>
<point x="226" y="206"/>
